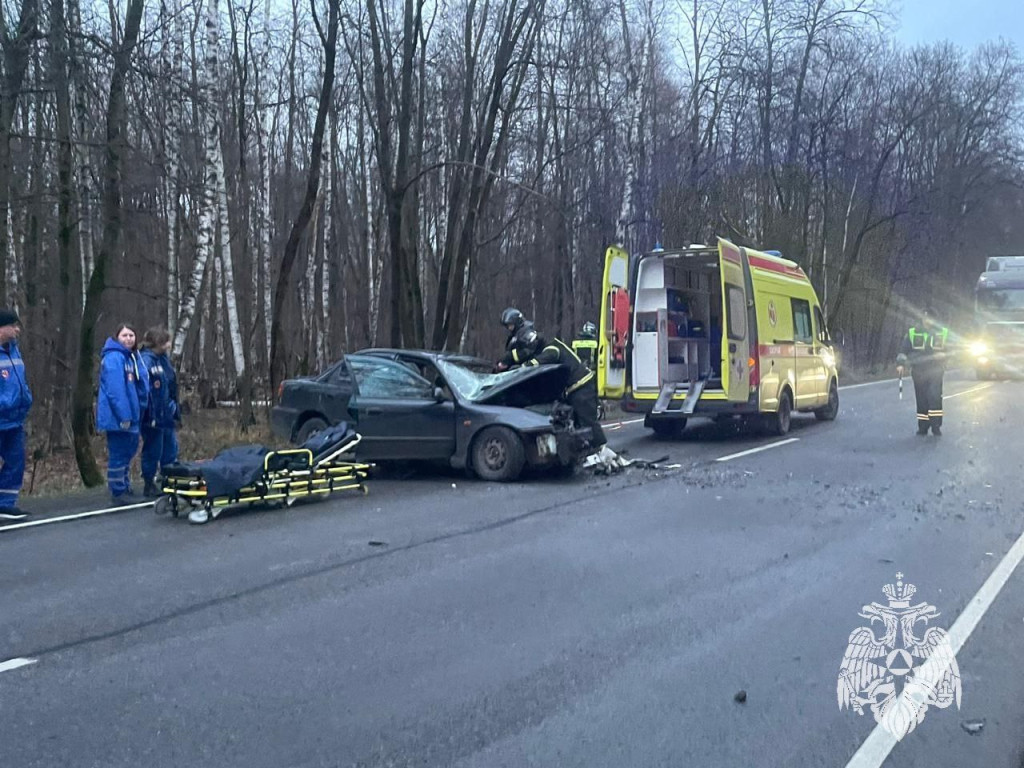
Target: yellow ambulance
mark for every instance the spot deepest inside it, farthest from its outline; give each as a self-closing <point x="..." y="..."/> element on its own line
<point x="714" y="332"/>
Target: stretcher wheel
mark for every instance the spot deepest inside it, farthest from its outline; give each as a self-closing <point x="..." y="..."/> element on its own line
<point x="199" y="516"/>
<point x="163" y="506"/>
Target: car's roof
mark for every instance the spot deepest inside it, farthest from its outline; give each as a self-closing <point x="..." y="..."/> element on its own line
<point x="424" y="353"/>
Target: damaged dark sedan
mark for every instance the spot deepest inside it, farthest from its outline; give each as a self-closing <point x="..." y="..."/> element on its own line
<point x="431" y="406"/>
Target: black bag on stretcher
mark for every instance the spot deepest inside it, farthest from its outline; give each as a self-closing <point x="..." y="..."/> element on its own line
<point x="255" y="474"/>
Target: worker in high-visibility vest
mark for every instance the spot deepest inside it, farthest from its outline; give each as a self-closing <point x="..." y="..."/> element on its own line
<point x="585" y="346"/>
<point x="924" y="350"/>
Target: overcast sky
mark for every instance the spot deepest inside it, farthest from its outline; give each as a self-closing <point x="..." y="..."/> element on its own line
<point x="964" y="22"/>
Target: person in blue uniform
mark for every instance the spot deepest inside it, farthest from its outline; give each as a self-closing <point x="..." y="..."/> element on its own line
<point x="123" y="398"/>
<point x="15" y="402"/>
<point x="159" y="427"/>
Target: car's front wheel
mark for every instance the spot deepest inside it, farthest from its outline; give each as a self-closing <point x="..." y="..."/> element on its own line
<point x="498" y="454"/>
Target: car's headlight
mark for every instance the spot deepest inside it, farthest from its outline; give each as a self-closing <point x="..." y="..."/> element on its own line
<point x="979" y="348"/>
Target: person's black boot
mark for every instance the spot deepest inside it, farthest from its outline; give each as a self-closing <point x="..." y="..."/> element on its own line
<point x="151" y="491"/>
<point x="937" y="431"/>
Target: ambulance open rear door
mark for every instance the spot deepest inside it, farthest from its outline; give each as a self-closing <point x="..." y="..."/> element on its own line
<point x="614" y="330"/>
<point x="736" y="351"/>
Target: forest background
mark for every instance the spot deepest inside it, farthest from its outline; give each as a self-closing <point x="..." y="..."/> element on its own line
<point x="280" y="182"/>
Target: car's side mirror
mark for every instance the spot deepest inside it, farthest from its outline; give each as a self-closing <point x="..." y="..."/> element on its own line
<point x="439" y="395"/>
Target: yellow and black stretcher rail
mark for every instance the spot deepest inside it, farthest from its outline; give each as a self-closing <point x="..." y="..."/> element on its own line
<point x="287" y="475"/>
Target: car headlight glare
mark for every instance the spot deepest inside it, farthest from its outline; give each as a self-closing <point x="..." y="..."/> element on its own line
<point x="979" y="348"/>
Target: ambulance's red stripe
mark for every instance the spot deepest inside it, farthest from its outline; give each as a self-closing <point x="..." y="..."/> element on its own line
<point x="785" y="350"/>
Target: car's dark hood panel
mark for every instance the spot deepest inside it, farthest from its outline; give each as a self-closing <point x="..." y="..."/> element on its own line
<point x="523" y="387"/>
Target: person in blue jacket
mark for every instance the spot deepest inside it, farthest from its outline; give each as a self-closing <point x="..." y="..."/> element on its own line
<point x="15" y="401"/>
<point x="123" y="398"/>
<point x="159" y="438"/>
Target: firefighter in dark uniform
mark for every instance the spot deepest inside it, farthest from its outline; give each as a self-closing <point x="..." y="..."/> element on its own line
<point x="924" y="350"/>
<point x="585" y="346"/>
<point x="522" y="338"/>
<point x="527" y="347"/>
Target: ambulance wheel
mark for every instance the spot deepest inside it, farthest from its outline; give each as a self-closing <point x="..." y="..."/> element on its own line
<point x="309" y="428"/>
<point x="778" y="423"/>
<point x="498" y="454"/>
<point x="669" y="428"/>
<point x="830" y="411"/>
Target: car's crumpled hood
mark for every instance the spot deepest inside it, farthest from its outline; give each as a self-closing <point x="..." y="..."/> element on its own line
<point x="525" y="387"/>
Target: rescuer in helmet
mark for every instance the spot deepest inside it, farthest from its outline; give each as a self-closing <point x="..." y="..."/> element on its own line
<point x="585" y="345"/>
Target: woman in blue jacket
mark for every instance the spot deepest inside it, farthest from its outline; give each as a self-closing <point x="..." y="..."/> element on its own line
<point x="124" y="396"/>
<point x="159" y="439"/>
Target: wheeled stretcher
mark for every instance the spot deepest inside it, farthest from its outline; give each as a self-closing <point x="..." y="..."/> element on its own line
<point x="255" y="474"/>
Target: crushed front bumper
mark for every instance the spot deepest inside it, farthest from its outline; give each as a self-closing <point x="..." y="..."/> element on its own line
<point x="560" y="446"/>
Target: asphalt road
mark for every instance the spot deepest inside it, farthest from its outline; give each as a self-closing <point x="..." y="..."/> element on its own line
<point x="559" y="622"/>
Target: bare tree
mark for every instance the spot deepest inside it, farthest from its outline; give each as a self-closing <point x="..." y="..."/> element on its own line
<point x="329" y="41"/>
<point x="123" y="49"/>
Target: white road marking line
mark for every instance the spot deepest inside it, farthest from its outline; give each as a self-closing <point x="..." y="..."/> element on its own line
<point x="77" y="516"/>
<point x="10" y="664"/>
<point x="968" y="391"/>
<point x="880" y="742"/>
<point x="866" y="384"/>
<point x="760" y="448"/>
<point x="620" y="423"/>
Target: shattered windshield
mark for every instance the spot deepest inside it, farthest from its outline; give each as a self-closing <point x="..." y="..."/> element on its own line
<point x="470" y="384"/>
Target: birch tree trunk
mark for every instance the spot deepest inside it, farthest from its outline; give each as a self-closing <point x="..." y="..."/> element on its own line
<point x="207" y="199"/>
<point x="173" y="55"/>
<point x="323" y="341"/>
<point x="227" y="269"/>
<point x="83" y="161"/>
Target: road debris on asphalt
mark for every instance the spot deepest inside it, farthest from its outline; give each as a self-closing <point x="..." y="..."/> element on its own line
<point x="606" y="461"/>
<point x="973" y="727"/>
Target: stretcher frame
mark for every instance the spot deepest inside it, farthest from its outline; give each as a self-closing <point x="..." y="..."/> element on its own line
<point x="288" y="475"/>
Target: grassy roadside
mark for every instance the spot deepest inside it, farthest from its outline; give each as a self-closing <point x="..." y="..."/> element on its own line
<point x="203" y="433"/>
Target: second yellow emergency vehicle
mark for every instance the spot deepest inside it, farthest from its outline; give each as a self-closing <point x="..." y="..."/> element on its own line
<point x="716" y="332"/>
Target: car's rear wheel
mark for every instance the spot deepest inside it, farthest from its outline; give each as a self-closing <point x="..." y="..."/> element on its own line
<point x="498" y="454"/>
<point x="309" y="428"/>
<point x="831" y="410"/>
<point x="669" y="428"/>
<point x="778" y="423"/>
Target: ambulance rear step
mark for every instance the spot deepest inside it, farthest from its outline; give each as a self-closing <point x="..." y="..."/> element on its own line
<point x="668" y="391"/>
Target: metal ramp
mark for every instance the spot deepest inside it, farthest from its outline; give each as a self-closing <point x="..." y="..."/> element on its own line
<point x="668" y="391"/>
<point x="696" y="389"/>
